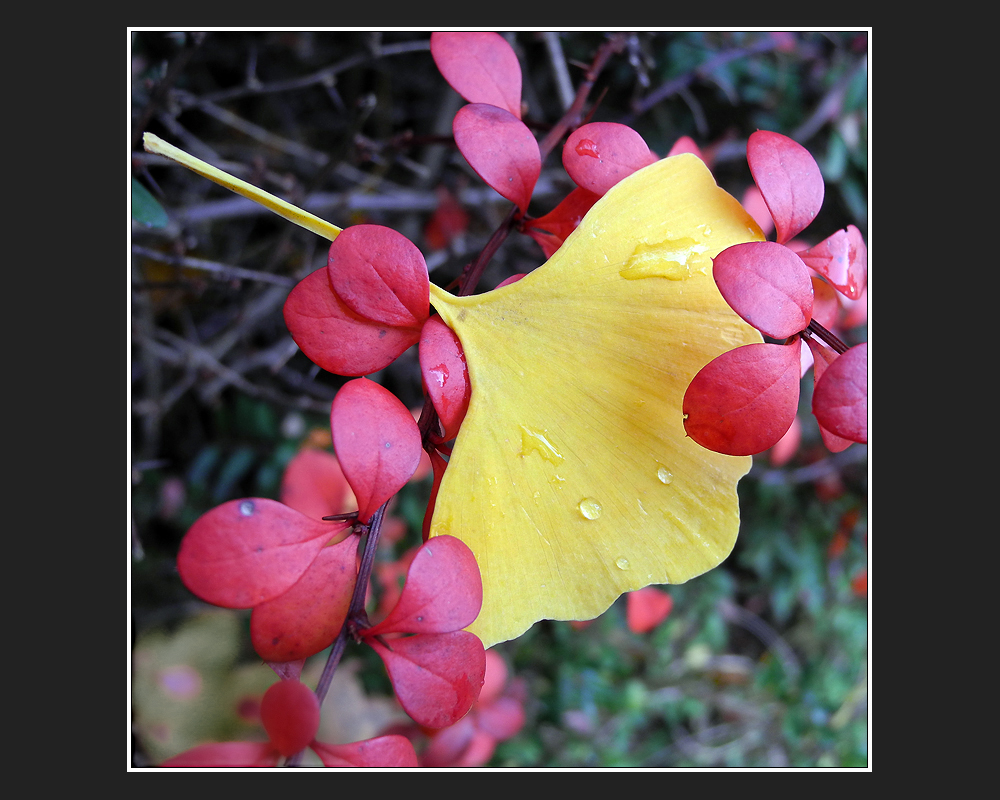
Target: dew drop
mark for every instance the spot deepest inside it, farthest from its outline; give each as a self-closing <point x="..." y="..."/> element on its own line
<point x="533" y="440"/>
<point x="590" y="508"/>
<point x="673" y="259"/>
<point x="587" y="147"/>
<point x="247" y="508"/>
<point x="665" y="476"/>
<point x="622" y="563"/>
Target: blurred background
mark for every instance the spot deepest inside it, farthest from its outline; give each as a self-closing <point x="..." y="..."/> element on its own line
<point x="760" y="663"/>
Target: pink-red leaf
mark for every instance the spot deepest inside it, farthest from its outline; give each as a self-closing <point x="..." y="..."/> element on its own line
<point x="743" y="401"/>
<point x="247" y="552"/>
<point x="840" y="400"/>
<point x="226" y="754"/>
<point x="381" y="275"/>
<point x="443" y="591"/>
<point x="445" y="374"/>
<point x="826" y="306"/>
<point x="314" y="484"/>
<point x="481" y="66"/>
<point x="685" y="144"/>
<point x="336" y="338"/>
<point x="599" y="154"/>
<point x="767" y="285"/>
<point x="552" y="229"/>
<point x="501" y="149"/>
<point x="382" y="752"/>
<point x="376" y="441"/>
<point x="308" y="617"/>
<point x="842" y="259"/>
<point x="289" y="711"/>
<point x="823" y="357"/>
<point x="646" y="608"/>
<point x="789" y="179"/>
<point x="436" y="676"/>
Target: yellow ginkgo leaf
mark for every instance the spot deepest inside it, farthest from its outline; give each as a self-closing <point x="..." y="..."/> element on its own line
<point x="572" y="479"/>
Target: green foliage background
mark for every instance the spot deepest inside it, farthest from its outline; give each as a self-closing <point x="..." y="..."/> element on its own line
<point x="762" y="663"/>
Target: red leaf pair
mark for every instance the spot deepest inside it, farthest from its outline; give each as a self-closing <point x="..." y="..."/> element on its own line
<point x="481" y="66"/>
<point x="360" y="313"/>
<point x="437" y="673"/>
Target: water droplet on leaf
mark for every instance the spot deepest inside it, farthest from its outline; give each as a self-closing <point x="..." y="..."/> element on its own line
<point x="622" y="563"/>
<point x="590" y="508"/>
<point x="247" y="508"/>
<point x="533" y="440"/>
<point x="665" y="476"/>
<point x="587" y="147"/>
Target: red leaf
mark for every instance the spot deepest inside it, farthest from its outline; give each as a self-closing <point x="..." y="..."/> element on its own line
<point x="290" y="714"/>
<point x="646" y="608"/>
<point x="334" y="337"/>
<point x="599" y="154"/>
<point x="685" y="144"/>
<point x="767" y="285"/>
<point x="382" y="752"/>
<point x="448" y="221"/>
<point x="501" y="149"/>
<point x="481" y="66"/>
<point x="314" y="484"/>
<point x="443" y="591"/>
<point x="436" y="676"/>
<point x="743" y="401"/>
<point x="226" y="754"/>
<point x="826" y="306"/>
<point x="823" y="357"/>
<point x="246" y="552"/>
<point x="308" y="617"/>
<point x="552" y="229"/>
<point x="840" y="400"/>
<point x="376" y="441"/>
<point x="842" y="259"/>
<point x="789" y="179"/>
<point x="438" y="465"/>
<point x="445" y="374"/>
<point x="381" y="275"/>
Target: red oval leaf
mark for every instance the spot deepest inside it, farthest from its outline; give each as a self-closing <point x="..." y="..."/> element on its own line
<point x="307" y="618"/>
<point x="599" y="154"/>
<point x="552" y="229"/>
<point x="382" y="752"/>
<point x="501" y="149"/>
<point x="381" y="275"/>
<point x="481" y="66"/>
<point x="840" y="400"/>
<point x="226" y="754"/>
<point x="436" y="676"/>
<point x="289" y="711"/>
<point x="314" y="484"/>
<point x="743" y="401"/>
<point x="842" y="259"/>
<point x="334" y="337"/>
<point x="445" y="374"/>
<point x="646" y="608"/>
<point x="767" y="285"/>
<point x="823" y="357"/>
<point x="789" y="179"/>
<point x="376" y="441"/>
<point x="249" y="551"/>
<point x="443" y="591"/>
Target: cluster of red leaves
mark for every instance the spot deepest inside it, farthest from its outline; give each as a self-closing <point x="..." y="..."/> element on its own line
<point x="290" y="714"/>
<point x="745" y="400"/>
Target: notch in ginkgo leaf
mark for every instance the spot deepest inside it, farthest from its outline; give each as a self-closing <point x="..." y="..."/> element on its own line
<point x="840" y="400"/>
<point x="481" y="66"/>
<point x="599" y="154"/>
<point x="789" y="179"/>
<point x="501" y="149"/>
<point x="246" y="552"/>
<point x="743" y="401"/>
<point x="842" y="259"/>
<point x="767" y="285"/>
<point x="376" y="440"/>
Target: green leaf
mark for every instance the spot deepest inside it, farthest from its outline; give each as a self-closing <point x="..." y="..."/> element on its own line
<point x="145" y="208"/>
